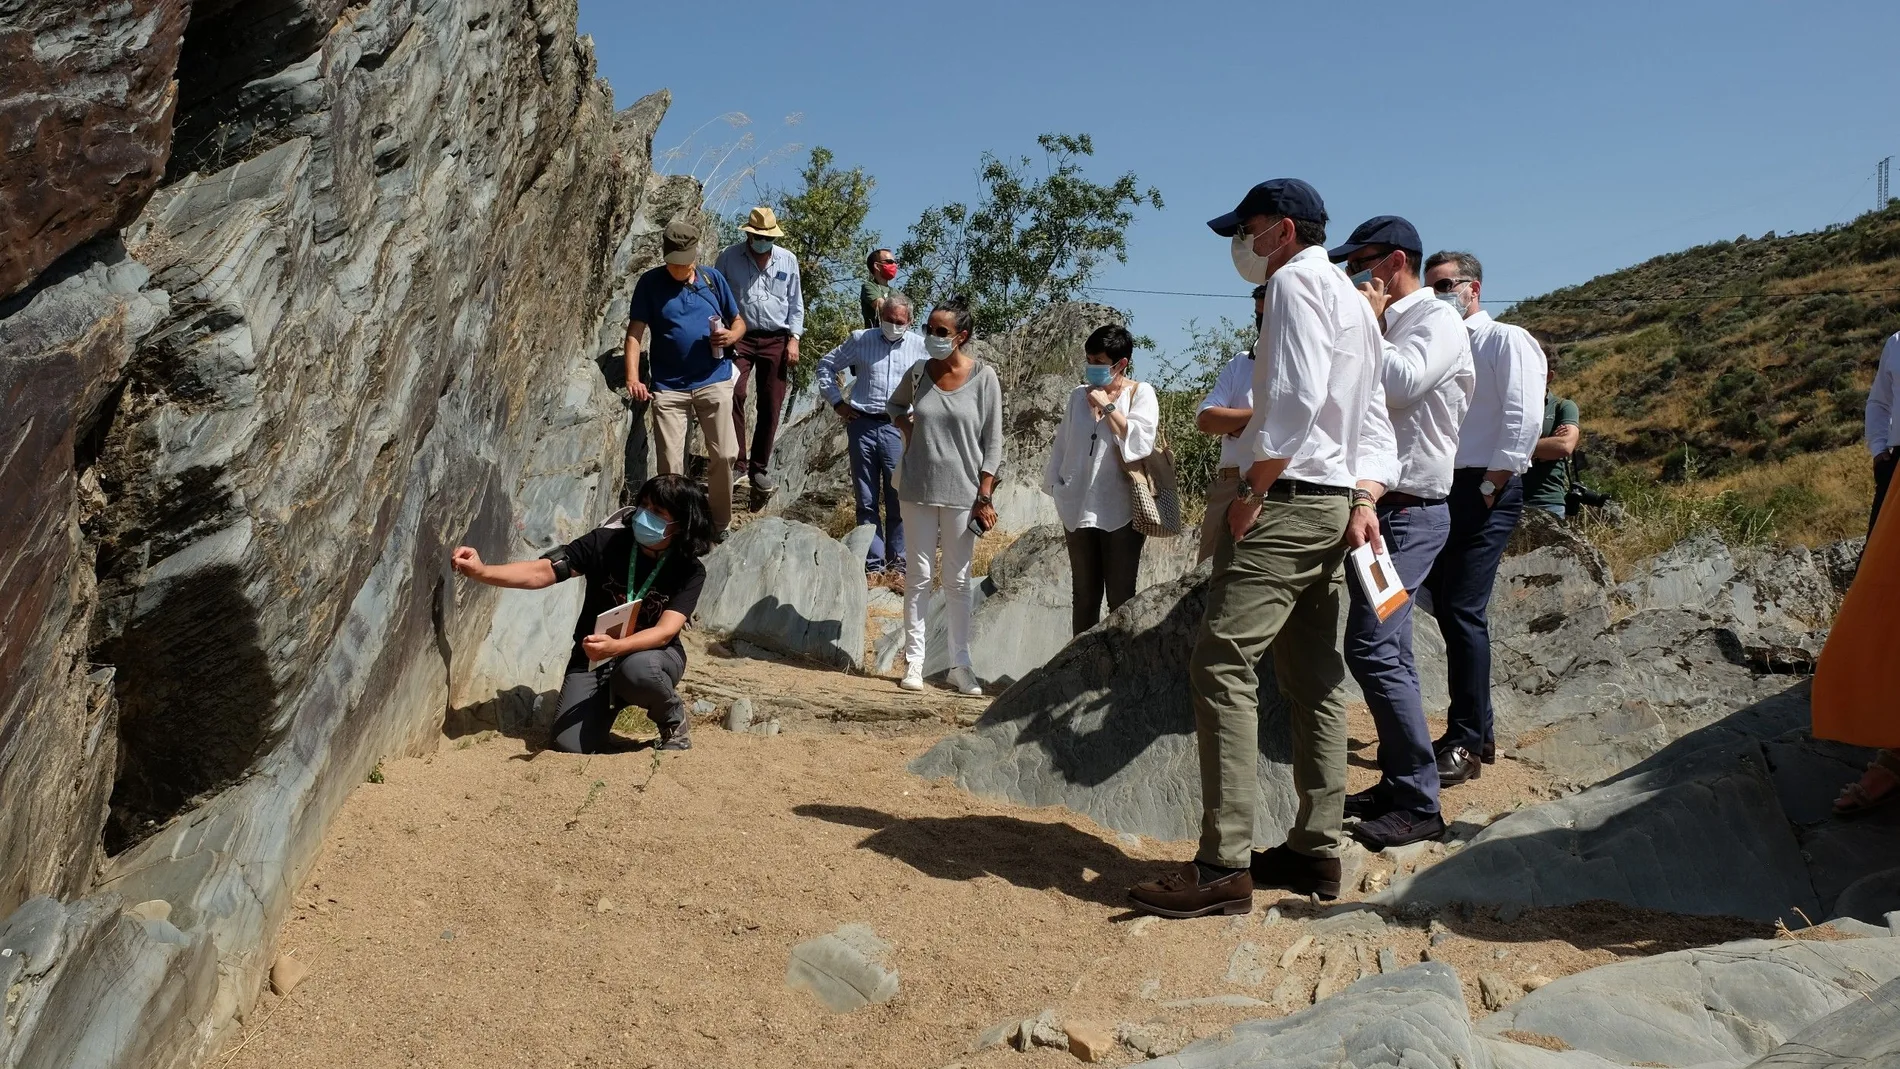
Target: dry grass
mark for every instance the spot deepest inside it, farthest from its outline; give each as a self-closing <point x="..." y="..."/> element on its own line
<point x="1840" y="483"/>
<point x="988" y="547"/>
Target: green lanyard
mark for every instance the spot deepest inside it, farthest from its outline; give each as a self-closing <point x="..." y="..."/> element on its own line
<point x="633" y="562"/>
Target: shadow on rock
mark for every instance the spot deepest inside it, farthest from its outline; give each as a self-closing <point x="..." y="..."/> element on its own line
<point x="1029" y="854"/>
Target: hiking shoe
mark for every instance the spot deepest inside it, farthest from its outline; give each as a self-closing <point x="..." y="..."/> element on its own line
<point x="1181" y="893"/>
<point x="964" y="682"/>
<point x="1286" y="869"/>
<point x="1398" y="828"/>
<point x="913" y="678"/>
<point x="762" y="483"/>
<point x="894" y="580"/>
<point x="1367" y="804"/>
<point x="1458" y="765"/>
<point x="674" y="739"/>
<point x="721" y="535"/>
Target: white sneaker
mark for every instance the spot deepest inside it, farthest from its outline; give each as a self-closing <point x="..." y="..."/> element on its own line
<point x="963" y="681"/>
<point x="913" y="678"/>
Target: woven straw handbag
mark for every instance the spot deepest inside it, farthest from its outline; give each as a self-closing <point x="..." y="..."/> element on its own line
<point x="1154" y="491"/>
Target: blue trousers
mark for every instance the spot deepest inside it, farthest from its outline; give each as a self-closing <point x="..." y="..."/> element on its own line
<point x="1379" y="654"/>
<point x="876" y="446"/>
<point x="1460" y="585"/>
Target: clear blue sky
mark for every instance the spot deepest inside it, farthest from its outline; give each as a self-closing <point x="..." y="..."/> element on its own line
<point x="1555" y="141"/>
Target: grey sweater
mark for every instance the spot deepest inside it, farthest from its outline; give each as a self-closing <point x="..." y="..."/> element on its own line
<point x="956" y="437"/>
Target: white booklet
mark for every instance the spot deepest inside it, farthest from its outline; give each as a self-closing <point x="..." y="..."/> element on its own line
<point x="1379" y="579"/>
<point x="617" y="622"/>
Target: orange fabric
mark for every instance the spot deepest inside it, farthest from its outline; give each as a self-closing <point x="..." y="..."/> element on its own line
<point x="1857" y="683"/>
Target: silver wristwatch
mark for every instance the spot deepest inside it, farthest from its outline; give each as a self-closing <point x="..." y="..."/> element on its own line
<point x="1248" y="495"/>
<point x="1488" y="488"/>
<point x="1107" y="408"/>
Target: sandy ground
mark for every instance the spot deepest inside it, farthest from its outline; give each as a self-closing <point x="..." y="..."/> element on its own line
<point x="492" y="906"/>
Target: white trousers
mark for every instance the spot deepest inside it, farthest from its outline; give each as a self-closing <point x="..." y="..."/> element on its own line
<point x="926" y="529"/>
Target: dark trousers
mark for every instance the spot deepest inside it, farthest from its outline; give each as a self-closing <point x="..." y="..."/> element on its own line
<point x="1883" y="474"/>
<point x="1102" y="562"/>
<point x="639" y="447"/>
<point x="876" y="446"/>
<point x="762" y="359"/>
<point x="1379" y="654"/>
<point x="1460" y="585"/>
<point x="645" y="679"/>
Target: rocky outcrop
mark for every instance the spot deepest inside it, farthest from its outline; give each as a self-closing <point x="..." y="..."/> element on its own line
<point x="787" y="587"/>
<point x="86" y="98"/>
<point x="1785" y="1002"/>
<point x="387" y="257"/>
<point x="1733" y="819"/>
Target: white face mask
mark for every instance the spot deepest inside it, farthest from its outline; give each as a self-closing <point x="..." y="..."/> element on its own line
<point x="1456" y="300"/>
<point x="1252" y="266"/>
<point x="938" y="348"/>
<point x="892" y="331"/>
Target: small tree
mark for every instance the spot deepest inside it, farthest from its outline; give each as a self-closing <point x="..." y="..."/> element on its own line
<point x="823" y="218"/>
<point x="1180" y="383"/>
<point x="1029" y="242"/>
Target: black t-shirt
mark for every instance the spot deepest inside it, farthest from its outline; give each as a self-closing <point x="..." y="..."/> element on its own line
<point x="600" y="556"/>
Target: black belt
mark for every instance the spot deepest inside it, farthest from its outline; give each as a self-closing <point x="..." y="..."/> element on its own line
<point x="874" y="417"/>
<point x="750" y="333"/>
<point x="1284" y="489"/>
<point x="1399" y="500"/>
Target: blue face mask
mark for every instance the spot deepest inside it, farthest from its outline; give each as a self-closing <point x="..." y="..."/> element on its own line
<point x="1360" y="278"/>
<point x="761" y="245"/>
<point x="648" y="528"/>
<point x="1098" y="374"/>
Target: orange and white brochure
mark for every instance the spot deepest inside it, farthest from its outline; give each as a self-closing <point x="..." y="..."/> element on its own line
<point x="1379" y="579"/>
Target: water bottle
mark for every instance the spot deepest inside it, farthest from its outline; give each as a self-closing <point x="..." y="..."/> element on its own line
<point x="717" y="324"/>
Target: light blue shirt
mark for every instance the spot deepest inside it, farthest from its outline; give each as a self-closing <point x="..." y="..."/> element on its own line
<point x="876" y="367"/>
<point x="770" y="298"/>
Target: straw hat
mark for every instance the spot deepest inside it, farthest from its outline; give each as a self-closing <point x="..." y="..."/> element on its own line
<point x="763" y="223"/>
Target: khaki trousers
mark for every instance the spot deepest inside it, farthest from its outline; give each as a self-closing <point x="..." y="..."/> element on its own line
<point x="711" y="406"/>
<point x="1281" y="586"/>
<point x="1220" y="494"/>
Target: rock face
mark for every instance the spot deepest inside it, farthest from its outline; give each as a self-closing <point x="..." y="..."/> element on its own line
<point x="1731" y="819"/>
<point x="359" y="326"/>
<point x="86" y="98"/>
<point x="1786" y="1002"/>
<point x="1106" y="728"/>
<point x="788" y="587"/>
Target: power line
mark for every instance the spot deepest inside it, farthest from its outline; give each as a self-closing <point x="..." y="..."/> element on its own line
<point x="1549" y="300"/>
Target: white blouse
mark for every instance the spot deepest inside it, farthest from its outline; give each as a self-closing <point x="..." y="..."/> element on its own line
<point x="1085" y="474"/>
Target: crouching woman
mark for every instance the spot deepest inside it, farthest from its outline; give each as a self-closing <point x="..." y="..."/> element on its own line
<point x="651" y="557"/>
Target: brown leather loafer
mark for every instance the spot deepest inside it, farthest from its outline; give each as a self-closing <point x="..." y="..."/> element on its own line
<point x="1286" y="869"/>
<point x="1182" y="894"/>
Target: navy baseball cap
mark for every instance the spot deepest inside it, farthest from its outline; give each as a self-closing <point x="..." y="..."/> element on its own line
<point x="1381" y="230"/>
<point x="1277" y="196"/>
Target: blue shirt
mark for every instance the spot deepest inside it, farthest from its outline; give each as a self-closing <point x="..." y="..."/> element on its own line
<point x="770" y="298"/>
<point x="876" y="367"/>
<point x="681" y="354"/>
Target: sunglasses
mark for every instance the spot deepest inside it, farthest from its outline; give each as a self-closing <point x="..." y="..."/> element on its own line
<point x="940" y="332"/>
<point x="1446" y="285"/>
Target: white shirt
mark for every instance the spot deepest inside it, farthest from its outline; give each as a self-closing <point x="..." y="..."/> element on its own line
<point x="1084" y="474"/>
<point x="1881" y="427"/>
<point x="1318" y="398"/>
<point x="1233" y="388"/>
<point x="1507" y="406"/>
<point x="1428" y="381"/>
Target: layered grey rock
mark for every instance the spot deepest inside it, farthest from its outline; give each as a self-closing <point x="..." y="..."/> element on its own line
<point x="381" y="276"/>
<point x="847" y="969"/>
<point x="1415" y="1017"/>
<point x="86" y="96"/>
<point x="789" y="587"/>
<point x="1863" y="1033"/>
<point x="1731" y="819"/>
<point x="1106" y="728"/>
<point x="1723" y="1005"/>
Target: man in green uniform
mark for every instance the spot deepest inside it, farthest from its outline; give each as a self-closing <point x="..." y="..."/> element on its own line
<point x="1548" y="479"/>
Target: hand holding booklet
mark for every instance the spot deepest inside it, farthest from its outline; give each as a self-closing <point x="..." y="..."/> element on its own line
<point x="617" y="622"/>
<point x="1379" y="579"/>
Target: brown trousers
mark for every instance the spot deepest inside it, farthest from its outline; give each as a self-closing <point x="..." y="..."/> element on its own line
<point x="762" y="359"/>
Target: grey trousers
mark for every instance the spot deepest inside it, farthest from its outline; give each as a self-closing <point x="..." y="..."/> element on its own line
<point x="645" y="679"/>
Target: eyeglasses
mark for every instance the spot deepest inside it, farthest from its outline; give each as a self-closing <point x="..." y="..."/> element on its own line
<point x="1446" y="285"/>
<point x="940" y="332"/>
<point x="885" y="263"/>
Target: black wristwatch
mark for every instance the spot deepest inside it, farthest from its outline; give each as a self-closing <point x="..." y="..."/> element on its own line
<point x="982" y="499"/>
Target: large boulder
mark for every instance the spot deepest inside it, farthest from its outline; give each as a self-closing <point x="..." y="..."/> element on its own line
<point x="788" y="587"/>
<point x="1864" y="1034"/>
<point x="86" y="99"/>
<point x="1106" y="728"/>
<point x="1731" y="819"/>
<point x="381" y="270"/>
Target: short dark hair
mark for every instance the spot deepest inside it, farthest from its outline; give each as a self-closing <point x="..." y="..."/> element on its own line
<point x="959" y="310"/>
<point x="1412" y="257"/>
<point x="870" y="258"/>
<point x="1260" y="291"/>
<point x="685" y="501"/>
<point x="1305" y="231"/>
<point x="1468" y="265"/>
<point x="1112" y="339"/>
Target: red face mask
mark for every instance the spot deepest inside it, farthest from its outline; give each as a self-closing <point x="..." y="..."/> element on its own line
<point x="887" y="271"/>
